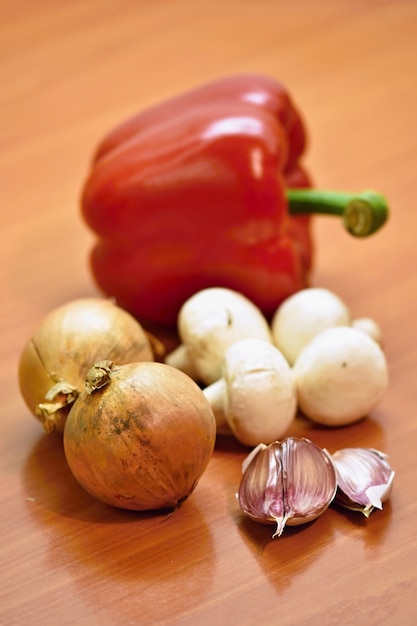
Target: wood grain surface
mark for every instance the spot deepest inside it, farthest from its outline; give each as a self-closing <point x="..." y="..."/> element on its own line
<point x="71" y="70"/>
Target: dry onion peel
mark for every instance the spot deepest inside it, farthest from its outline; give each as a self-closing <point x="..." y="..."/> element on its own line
<point x="140" y="436"/>
<point x="55" y="360"/>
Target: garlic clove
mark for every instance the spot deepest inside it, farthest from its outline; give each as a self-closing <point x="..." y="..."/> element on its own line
<point x="287" y="483"/>
<point x="310" y="482"/>
<point x="364" y="479"/>
<point x="261" y="491"/>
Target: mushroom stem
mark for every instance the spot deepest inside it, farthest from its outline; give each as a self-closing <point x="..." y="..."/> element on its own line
<point x="256" y="394"/>
<point x="181" y="359"/>
<point x="216" y="395"/>
<point x="363" y="213"/>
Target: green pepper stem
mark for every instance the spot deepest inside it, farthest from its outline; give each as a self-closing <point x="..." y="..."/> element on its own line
<point x="362" y="214"/>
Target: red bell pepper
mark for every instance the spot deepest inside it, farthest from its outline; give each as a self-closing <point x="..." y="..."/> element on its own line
<point x="194" y="192"/>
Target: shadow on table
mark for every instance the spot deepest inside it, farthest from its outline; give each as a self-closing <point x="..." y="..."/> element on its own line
<point x="154" y="555"/>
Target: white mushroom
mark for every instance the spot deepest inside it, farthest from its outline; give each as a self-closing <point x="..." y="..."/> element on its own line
<point x="303" y="315"/>
<point x="208" y="323"/>
<point x="256" y="396"/>
<point x="368" y="326"/>
<point x="340" y="376"/>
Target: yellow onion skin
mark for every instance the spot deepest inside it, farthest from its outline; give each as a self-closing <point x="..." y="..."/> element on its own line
<point x="69" y="340"/>
<point x="142" y="440"/>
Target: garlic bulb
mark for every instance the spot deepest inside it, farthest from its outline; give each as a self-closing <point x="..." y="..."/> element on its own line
<point x="287" y="483"/>
<point x="364" y="479"/>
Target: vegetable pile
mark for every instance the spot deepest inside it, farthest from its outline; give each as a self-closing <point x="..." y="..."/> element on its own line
<point x="314" y="357"/>
<point x="202" y="212"/>
<point x="138" y="433"/>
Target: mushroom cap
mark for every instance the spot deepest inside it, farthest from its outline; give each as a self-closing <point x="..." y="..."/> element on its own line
<point x="211" y="321"/>
<point x="303" y="315"/>
<point x="370" y="327"/>
<point x="340" y="376"/>
<point x="260" y="400"/>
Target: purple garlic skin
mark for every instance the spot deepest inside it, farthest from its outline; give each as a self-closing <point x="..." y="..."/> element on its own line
<point x="287" y="483"/>
<point x="364" y="479"/>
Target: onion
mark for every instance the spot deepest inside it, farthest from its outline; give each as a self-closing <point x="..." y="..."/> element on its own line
<point x="140" y="436"/>
<point x="71" y="338"/>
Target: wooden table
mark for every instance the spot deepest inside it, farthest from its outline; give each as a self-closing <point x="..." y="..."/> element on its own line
<point x="70" y="71"/>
